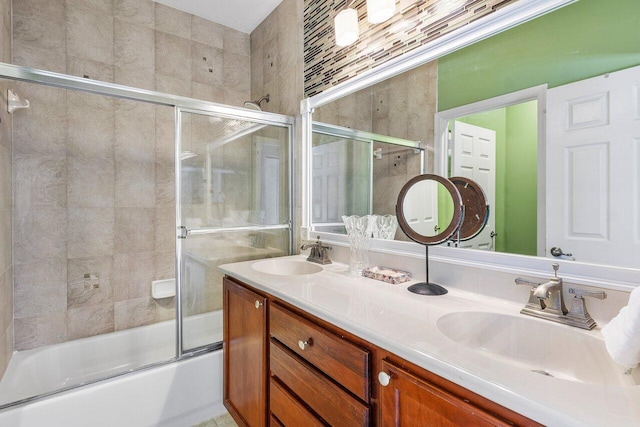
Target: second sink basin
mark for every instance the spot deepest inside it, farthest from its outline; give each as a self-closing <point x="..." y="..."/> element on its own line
<point x="286" y="267"/>
<point x="536" y="345"/>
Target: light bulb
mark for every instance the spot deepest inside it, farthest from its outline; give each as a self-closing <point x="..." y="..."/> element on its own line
<point x="346" y="27"/>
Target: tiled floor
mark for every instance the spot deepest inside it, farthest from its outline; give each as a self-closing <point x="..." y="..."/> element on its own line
<point x="223" y="420"/>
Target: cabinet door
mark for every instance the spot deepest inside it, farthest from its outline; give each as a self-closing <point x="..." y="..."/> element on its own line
<point x="245" y="354"/>
<point x="409" y="400"/>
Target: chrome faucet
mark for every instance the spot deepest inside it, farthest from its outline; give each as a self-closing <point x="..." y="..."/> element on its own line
<point x="546" y="301"/>
<point x="318" y="252"/>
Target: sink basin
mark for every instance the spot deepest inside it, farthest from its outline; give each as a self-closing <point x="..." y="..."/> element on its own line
<point x="538" y="346"/>
<point x="286" y="267"/>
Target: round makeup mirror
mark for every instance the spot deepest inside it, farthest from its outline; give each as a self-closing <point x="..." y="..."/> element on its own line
<point x="430" y="212"/>
<point x="476" y="207"/>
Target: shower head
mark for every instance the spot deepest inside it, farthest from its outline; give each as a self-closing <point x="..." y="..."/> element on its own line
<point x="255" y="105"/>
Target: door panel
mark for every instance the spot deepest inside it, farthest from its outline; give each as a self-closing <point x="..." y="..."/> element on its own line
<point x="593" y="130"/>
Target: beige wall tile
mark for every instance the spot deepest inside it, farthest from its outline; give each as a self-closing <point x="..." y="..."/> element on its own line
<point x="132" y="275"/>
<point x="90" y="320"/>
<point x="173" y="21"/>
<point x="89" y="30"/>
<point x="236" y="41"/>
<point x="207" y="92"/>
<point x="133" y="313"/>
<point x="39" y="234"/>
<point x="6" y="251"/>
<point x="237" y="72"/>
<point x="135" y="184"/>
<point x="136" y="12"/>
<point x="135" y="131"/>
<point x="90" y="125"/>
<point x="134" y="54"/>
<point x="91" y="232"/>
<point x="33" y="332"/>
<point x="89" y="69"/>
<point x="173" y="56"/>
<point x="39" y="181"/>
<point x="165" y="135"/>
<point x="39" y="34"/>
<point x="40" y="288"/>
<point x="81" y="291"/>
<point x="206" y="64"/>
<point x="173" y="85"/>
<point x="207" y="32"/>
<point x="41" y="129"/>
<point x="135" y="230"/>
<point x="165" y="228"/>
<point x="165" y="263"/>
<point x="237" y="98"/>
<point x="90" y="182"/>
<point x="6" y="299"/>
<point x="165" y="185"/>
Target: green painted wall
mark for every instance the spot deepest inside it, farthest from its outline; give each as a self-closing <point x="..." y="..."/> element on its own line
<point x="515" y="209"/>
<point x="582" y="40"/>
<point x="521" y="185"/>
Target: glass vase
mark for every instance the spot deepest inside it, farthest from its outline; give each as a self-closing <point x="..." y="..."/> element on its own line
<point x="359" y="231"/>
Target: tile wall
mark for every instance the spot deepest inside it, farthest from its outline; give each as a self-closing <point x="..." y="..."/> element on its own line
<point x="93" y="176"/>
<point x="277" y="61"/>
<point x="6" y="263"/>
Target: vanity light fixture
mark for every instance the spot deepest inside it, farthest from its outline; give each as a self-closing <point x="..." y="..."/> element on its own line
<point x="346" y="27"/>
<point x="380" y="10"/>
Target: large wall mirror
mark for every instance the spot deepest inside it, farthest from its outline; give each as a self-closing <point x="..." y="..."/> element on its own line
<point x="545" y="116"/>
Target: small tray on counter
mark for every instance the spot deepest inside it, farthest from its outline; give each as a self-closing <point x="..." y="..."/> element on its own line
<point x="386" y="274"/>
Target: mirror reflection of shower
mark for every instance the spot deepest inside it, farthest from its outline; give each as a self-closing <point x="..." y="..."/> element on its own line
<point x="256" y="105"/>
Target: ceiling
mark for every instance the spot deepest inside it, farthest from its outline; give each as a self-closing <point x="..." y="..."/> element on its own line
<point x="242" y="15"/>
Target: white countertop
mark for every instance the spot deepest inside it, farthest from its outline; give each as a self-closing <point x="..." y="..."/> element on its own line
<point x="406" y="324"/>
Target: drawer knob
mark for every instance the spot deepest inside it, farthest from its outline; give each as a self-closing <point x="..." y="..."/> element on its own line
<point x="304" y="344"/>
<point x="384" y="378"/>
<point x="258" y="303"/>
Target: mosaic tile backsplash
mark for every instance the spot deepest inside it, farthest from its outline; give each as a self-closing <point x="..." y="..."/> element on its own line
<point x="415" y="23"/>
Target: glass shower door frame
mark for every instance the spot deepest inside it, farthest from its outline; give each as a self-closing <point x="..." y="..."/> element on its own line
<point x="183" y="232"/>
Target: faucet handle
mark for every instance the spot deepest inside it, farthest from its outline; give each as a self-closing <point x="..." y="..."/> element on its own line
<point x="521" y="281"/>
<point x="555" y="267"/>
<point x="578" y="314"/>
<point x="579" y="293"/>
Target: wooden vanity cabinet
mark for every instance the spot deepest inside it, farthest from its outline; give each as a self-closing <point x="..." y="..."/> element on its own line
<point x="245" y="353"/>
<point x="285" y="367"/>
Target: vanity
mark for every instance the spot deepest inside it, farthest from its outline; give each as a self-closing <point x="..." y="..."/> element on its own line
<point x="311" y="345"/>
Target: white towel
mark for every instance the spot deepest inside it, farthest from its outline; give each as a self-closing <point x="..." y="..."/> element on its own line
<point x="622" y="334"/>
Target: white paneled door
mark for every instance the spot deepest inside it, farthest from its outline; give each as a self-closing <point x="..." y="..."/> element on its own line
<point x="593" y="154"/>
<point x="474" y="156"/>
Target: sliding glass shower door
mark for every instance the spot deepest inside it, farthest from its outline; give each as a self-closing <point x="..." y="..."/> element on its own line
<point x="233" y="187"/>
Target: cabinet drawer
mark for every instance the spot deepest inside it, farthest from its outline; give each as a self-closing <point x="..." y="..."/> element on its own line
<point x="287" y="409"/>
<point x="345" y="362"/>
<point x="318" y="392"/>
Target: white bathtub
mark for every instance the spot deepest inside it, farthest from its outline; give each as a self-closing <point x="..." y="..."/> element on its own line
<point x="176" y="394"/>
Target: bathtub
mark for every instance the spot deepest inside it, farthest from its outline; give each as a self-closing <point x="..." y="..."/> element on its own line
<point x="174" y="394"/>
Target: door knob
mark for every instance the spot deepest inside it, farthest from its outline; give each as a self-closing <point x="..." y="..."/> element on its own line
<point x="258" y="303"/>
<point x="557" y="252"/>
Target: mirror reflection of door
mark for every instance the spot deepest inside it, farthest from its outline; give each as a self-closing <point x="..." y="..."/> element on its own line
<point x="421" y="208"/>
<point x="593" y="155"/>
<point x="329" y="175"/>
<point x="473" y="156"/>
<point x="268" y="154"/>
